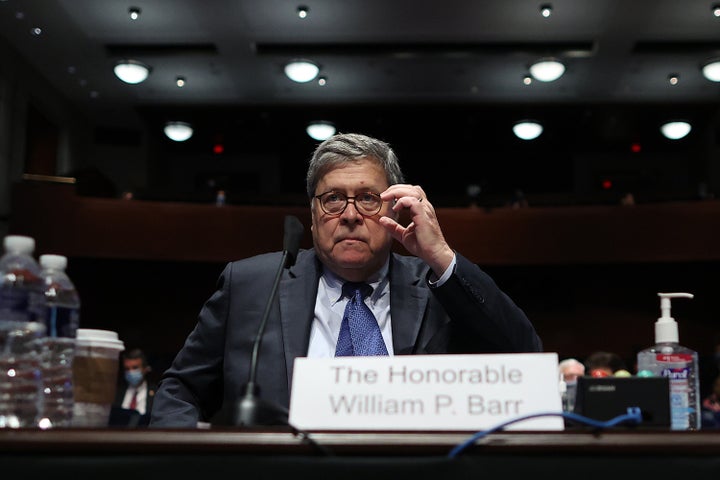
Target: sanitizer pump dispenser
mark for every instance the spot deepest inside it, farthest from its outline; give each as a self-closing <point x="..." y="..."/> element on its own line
<point x="680" y="364"/>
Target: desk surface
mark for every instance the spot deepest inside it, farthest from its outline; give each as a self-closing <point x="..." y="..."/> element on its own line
<point x="274" y="454"/>
<point x="251" y="441"/>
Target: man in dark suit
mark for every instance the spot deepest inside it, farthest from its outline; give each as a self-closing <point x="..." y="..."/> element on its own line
<point x="433" y="302"/>
<point x="134" y="399"/>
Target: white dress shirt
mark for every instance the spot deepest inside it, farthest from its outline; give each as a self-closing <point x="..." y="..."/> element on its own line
<point x="330" y="307"/>
<point x="141" y="400"/>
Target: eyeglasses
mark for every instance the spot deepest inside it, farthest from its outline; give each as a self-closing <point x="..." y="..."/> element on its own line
<point x="335" y="203"/>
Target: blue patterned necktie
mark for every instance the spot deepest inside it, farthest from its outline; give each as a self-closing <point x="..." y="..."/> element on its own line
<point x="359" y="331"/>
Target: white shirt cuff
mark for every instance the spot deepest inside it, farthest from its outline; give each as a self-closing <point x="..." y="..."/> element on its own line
<point x="444" y="278"/>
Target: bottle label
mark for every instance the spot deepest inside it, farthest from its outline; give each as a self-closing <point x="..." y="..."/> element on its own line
<point x="674" y="358"/>
<point x="14" y="299"/>
<point x="62" y="321"/>
<point x="21" y="304"/>
<point x="678" y="368"/>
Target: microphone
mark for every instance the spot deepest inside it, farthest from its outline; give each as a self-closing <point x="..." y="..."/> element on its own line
<point x="252" y="409"/>
<point x="291" y="242"/>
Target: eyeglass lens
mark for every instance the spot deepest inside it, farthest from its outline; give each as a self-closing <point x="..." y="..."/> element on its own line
<point x="366" y="203"/>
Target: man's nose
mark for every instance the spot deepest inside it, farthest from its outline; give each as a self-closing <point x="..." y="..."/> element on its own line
<point x="351" y="212"/>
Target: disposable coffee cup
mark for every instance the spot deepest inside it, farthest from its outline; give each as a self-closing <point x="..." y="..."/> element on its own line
<point x="95" y="370"/>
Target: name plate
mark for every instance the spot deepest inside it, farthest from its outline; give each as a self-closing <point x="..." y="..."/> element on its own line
<point x="426" y="392"/>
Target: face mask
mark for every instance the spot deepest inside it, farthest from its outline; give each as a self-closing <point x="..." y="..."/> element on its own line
<point x="134" y="377"/>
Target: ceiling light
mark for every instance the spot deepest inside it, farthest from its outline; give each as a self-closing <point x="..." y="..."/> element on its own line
<point x="675" y="130"/>
<point x="527" y="79"/>
<point x="320" y="130"/>
<point x="673" y="79"/>
<point x="131" y="71"/>
<point x="716" y="9"/>
<point x="180" y="82"/>
<point x="301" y="71"/>
<point x="302" y="11"/>
<point x="322" y="81"/>
<point x="547" y="70"/>
<point x="178" y="131"/>
<point x="134" y="13"/>
<point x="527" y="130"/>
<point x="546" y="10"/>
<point x="711" y="70"/>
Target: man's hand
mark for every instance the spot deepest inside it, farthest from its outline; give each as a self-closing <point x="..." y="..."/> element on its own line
<point x="423" y="236"/>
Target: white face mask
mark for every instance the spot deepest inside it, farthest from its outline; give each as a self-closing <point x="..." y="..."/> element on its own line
<point x="134" y="377"/>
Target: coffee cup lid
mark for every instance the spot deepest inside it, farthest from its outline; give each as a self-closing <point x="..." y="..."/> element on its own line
<point x="99" y="338"/>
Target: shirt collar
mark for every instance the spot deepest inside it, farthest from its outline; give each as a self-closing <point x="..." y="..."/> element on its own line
<point x="378" y="281"/>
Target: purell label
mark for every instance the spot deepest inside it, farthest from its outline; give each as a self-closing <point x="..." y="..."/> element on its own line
<point x="676" y="373"/>
<point x="673" y="358"/>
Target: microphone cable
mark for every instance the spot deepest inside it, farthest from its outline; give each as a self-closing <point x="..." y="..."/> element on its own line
<point x="633" y="417"/>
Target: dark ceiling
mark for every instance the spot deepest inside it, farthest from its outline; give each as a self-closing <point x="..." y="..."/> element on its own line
<point x="441" y="81"/>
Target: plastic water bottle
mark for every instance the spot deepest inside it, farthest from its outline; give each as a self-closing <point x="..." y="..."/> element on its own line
<point x="62" y="318"/>
<point x="21" y="334"/>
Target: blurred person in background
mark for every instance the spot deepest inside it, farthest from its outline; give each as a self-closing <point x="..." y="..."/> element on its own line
<point x="134" y="397"/>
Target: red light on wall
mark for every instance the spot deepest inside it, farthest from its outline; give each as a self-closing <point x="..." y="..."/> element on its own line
<point x="606" y="184"/>
<point x="635" y="147"/>
<point x="218" y="148"/>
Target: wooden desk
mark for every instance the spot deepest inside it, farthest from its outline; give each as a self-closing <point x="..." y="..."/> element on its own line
<point x="272" y="454"/>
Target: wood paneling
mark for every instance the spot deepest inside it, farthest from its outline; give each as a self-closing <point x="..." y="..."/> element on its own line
<point x="65" y="223"/>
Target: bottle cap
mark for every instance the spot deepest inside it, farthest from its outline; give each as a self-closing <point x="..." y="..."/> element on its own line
<point x="55" y="262"/>
<point x="19" y="244"/>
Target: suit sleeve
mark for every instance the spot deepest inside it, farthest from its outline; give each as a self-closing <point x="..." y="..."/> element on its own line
<point x="191" y="390"/>
<point x="491" y="320"/>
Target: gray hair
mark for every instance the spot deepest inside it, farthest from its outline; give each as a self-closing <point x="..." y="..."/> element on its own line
<point x="348" y="147"/>
<point x="570" y="362"/>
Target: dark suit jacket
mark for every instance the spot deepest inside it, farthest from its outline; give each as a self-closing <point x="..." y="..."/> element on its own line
<point x="131" y="418"/>
<point x="468" y="314"/>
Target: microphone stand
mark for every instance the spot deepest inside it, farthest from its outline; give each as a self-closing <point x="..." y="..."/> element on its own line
<point x="252" y="409"/>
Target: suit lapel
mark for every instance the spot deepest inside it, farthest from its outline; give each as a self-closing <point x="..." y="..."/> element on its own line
<point x="408" y="301"/>
<point x="297" y="293"/>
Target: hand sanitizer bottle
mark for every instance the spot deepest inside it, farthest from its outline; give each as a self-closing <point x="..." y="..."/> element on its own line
<point x="680" y="364"/>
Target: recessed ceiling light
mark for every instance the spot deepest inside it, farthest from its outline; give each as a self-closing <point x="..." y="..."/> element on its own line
<point x="527" y="79"/>
<point x="301" y="71"/>
<point x="302" y="11"/>
<point x="547" y="70"/>
<point x="711" y="70"/>
<point x="716" y="9"/>
<point x="134" y="13"/>
<point x="673" y="79"/>
<point x="131" y="71"/>
<point x="546" y="10"/>
<point x="322" y="81"/>
<point x="527" y="130"/>
<point x="178" y="131"/>
<point x="676" y="130"/>
<point x="36" y="31"/>
<point x="180" y="82"/>
<point x="320" y="130"/>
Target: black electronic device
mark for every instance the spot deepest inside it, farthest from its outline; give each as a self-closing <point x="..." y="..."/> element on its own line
<point x="607" y="397"/>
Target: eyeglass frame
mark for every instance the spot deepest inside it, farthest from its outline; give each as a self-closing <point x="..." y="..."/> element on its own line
<point x="347" y="202"/>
